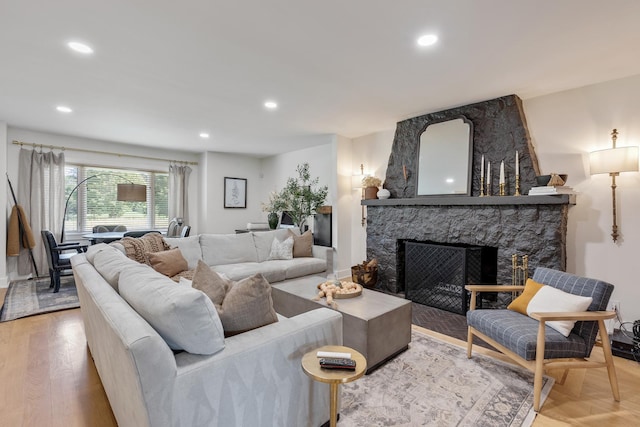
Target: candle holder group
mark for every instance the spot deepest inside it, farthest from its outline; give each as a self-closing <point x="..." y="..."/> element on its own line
<point x="486" y="191"/>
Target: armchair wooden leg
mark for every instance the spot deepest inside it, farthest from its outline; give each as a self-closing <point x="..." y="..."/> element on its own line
<point x="611" y="370"/>
<point x="469" y="342"/>
<point x="537" y="377"/>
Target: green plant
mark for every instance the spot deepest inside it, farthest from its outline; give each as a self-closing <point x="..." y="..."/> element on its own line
<point x="275" y="204"/>
<point x="302" y="196"/>
<point x="371" y="181"/>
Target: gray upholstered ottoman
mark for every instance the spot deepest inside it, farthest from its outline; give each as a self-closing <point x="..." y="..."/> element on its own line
<point x="376" y="324"/>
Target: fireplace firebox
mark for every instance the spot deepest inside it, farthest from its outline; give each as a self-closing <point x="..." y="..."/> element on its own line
<point x="436" y="274"/>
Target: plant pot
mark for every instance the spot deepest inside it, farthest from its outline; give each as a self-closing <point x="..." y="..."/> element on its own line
<point x="273" y="220"/>
<point x="371" y="193"/>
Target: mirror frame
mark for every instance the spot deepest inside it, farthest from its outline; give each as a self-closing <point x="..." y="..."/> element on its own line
<point x="469" y="159"/>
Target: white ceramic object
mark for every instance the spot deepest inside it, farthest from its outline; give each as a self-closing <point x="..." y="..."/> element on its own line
<point x="384" y="194"/>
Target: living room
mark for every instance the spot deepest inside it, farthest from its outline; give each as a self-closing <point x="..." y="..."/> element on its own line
<point x="567" y="119"/>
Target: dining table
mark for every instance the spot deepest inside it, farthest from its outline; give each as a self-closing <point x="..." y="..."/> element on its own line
<point x="108" y="236"/>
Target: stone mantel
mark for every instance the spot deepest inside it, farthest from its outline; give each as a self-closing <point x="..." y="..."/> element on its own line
<point x="561" y="199"/>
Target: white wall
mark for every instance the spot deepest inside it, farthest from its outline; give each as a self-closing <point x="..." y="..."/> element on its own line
<point x="372" y="151"/>
<point x="214" y="218"/>
<point x="565" y="127"/>
<point x="5" y="205"/>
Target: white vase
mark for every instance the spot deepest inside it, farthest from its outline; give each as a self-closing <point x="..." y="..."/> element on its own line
<point x="384" y="194"/>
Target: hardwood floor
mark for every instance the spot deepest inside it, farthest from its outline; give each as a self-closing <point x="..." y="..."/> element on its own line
<point x="48" y="379"/>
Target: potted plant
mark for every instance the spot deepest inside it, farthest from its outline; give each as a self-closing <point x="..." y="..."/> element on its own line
<point x="302" y="196"/>
<point x="371" y="184"/>
<point x="273" y="206"/>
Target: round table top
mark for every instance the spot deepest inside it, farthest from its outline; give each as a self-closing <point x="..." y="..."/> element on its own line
<point x="311" y="366"/>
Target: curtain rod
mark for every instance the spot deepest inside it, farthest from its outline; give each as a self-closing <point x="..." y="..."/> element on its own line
<point x="56" y="147"/>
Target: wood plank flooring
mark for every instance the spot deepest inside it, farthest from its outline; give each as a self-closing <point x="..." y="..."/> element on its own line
<point x="47" y="378"/>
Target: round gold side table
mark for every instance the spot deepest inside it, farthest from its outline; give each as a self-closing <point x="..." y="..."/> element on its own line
<point x="334" y="377"/>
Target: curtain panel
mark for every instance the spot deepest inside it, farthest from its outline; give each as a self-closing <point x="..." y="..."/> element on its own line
<point x="41" y="192"/>
<point x="178" y="192"/>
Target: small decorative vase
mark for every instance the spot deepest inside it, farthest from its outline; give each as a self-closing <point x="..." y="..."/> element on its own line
<point x="371" y="193"/>
<point x="273" y="220"/>
<point x="384" y="194"/>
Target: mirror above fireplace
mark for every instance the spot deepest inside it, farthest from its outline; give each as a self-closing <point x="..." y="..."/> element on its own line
<point x="445" y="158"/>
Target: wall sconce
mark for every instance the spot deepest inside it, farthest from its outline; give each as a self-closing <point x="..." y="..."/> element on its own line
<point x="356" y="184"/>
<point x="613" y="161"/>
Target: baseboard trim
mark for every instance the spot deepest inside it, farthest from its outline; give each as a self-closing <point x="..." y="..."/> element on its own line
<point x="4" y="282"/>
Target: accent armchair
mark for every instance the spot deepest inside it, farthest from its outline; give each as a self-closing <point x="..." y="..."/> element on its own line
<point x="532" y="343"/>
<point x="58" y="257"/>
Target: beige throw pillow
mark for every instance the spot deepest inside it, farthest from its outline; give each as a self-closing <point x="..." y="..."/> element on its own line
<point x="169" y="262"/>
<point x="302" y="244"/>
<point x="242" y="305"/>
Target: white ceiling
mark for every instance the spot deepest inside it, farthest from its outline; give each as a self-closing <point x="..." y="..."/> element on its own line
<point x="163" y="71"/>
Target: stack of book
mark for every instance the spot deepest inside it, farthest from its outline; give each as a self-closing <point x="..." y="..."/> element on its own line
<point x="550" y="190"/>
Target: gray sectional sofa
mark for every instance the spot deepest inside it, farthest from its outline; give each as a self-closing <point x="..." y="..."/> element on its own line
<point x="159" y="349"/>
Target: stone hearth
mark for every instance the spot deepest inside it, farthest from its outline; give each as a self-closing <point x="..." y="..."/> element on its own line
<point x="525" y="225"/>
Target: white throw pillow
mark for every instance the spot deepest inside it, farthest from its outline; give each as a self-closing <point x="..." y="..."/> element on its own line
<point x="189" y="246"/>
<point x="549" y="299"/>
<point x="282" y="250"/>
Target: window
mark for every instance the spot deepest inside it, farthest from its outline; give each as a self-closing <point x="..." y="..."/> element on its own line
<point x="95" y="201"/>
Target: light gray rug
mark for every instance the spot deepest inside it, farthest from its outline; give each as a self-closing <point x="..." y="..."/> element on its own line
<point x="434" y="384"/>
<point x="28" y="297"/>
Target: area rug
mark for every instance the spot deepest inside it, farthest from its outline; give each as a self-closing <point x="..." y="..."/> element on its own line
<point x="28" y="297"/>
<point x="434" y="384"/>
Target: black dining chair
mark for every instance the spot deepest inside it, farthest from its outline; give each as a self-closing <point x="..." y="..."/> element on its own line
<point x="185" y="231"/>
<point x="58" y="257"/>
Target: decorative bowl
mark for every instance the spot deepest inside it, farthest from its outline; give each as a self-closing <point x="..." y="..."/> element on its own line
<point x="543" y="180"/>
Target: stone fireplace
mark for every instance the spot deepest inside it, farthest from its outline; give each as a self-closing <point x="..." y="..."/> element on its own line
<point x="523" y="225"/>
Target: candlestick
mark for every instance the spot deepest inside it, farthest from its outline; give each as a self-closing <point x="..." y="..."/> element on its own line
<point x="482" y="168"/>
<point x="517" y="185"/>
<point x="404" y="172"/>
<point x="502" y="172"/>
<point x="488" y="178"/>
<point x="502" y="189"/>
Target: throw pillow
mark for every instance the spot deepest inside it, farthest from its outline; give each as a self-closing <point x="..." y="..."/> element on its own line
<point x="169" y="262"/>
<point x="302" y="244"/>
<point x="211" y="283"/>
<point x="139" y="248"/>
<point x="282" y="250"/>
<point x="549" y="299"/>
<point x="242" y="305"/>
<point x="520" y="304"/>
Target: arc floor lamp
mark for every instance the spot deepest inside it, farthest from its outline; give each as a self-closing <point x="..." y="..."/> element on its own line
<point x="129" y="192"/>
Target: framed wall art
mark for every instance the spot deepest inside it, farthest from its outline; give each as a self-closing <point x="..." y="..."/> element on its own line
<point x="235" y="192"/>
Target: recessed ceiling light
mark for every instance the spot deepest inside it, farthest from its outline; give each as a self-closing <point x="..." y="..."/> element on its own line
<point x="271" y="105"/>
<point x="63" y="109"/>
<point x="80" y="47"/>
<point x="427" y="40"/>
<point x="204" y="135"/>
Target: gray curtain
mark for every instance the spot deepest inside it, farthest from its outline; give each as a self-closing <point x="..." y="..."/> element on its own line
<point x="178" y="192"/>
<point x="41" y="194"/>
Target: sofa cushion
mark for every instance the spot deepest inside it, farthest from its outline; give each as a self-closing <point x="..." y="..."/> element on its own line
<point x="218" y="249"/>
<point x="189" y="246"/>
<point x="522" y="334"/>
<point x="169" y="262"/>
<point x="302" y="244"/>
<point x="299" y="267"/>
<point x="109" y="262"/>
<point x="271" y="270"/>
<point x="184" y="317"/>
<point x="281" y="249"/>
<point x="264" y="239"/>
<point x="242" y="305"/>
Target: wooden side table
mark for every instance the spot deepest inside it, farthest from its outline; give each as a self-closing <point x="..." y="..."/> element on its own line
<point x="334" y="377"/>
